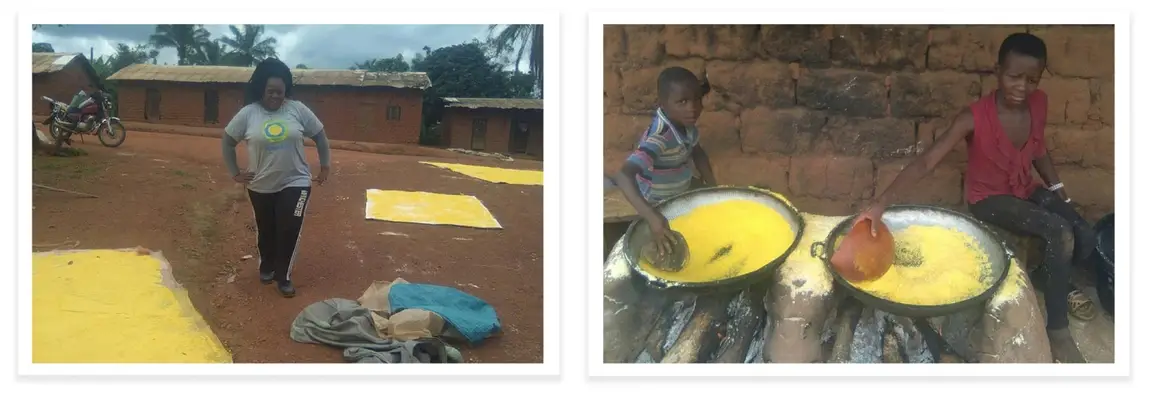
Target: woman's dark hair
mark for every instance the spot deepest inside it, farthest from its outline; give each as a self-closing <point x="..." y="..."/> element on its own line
<point x="265" y="70"/>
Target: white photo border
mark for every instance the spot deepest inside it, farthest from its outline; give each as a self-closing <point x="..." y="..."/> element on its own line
<point x="551" y="193"/>
<point x="1122" y="175"/>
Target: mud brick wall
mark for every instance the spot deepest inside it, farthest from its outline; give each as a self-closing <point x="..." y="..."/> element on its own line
<point x="458" y="124"/>
<point x="828" y="115"/>
<point x="347" y="113"/>
<point x="180" y="104"/>
<point x="360" y="114"/>
<point x="60" y="85"/>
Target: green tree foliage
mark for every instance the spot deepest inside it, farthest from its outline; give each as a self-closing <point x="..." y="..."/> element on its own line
<point x="394" y="64"/>
<point x="124" y="56"/>
<point x="42" y="47"/>
<point x="187" y="40"/>
<point x="212" y="53"/>
<point x="517" y="42"/>
<point x="466" y="71"/>
<point x="249" y="45"/>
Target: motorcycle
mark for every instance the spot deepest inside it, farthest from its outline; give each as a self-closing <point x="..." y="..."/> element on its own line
<point x="92" y="119"/>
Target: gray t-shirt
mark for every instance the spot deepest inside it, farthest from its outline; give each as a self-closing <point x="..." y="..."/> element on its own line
<point x="275" y="144"/>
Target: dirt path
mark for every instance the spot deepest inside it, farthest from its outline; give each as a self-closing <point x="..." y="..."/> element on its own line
<point x="170" y="193"/>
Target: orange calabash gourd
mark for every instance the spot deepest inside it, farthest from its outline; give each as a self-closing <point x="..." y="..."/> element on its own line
<point x="863" y="257"/>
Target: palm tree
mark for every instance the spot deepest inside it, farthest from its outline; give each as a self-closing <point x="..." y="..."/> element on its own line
<point x="389" y="65"/>
<point x="186" y="39"/>
<point x="212" y="53"/>
<point x="522" y="41"/>
<point x="248" y="46"/>
<point x="126" y="56"/>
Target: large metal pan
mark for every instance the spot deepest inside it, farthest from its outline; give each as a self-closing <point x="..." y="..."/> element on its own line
<point x="900" y="217"/>
<point x="638" y="234"/>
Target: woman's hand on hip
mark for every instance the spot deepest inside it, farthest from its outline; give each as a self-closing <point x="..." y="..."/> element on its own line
<point x="243" y="177"/>
<point x="324" y="172"/>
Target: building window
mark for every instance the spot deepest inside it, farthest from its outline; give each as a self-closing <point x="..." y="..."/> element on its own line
<point x="479" y="134"/>
<point x="210" y="106"/>
<point x="393" y="113"/>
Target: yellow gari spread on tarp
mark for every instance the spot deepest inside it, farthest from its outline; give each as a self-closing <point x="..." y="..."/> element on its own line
<point x="428" y="208"/>
<point x="726" y="240"/>
<point x="111" y="306"/>
<point x="932" y="266"/>
<point x="494" y="175"/>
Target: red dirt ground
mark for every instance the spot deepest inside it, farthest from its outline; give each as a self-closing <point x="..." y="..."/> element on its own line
<point x="171" y="193"/>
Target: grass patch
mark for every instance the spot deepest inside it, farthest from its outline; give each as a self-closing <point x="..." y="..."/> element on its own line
<point x="180" y="173"/>
<point x="203" y="218"/>
<point x="187" y="186"/>
<point x="69" y="167"/>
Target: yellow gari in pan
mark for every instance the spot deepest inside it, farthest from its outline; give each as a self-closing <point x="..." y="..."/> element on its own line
<point x="727" y="240"/>
<point x="933" y="266"/>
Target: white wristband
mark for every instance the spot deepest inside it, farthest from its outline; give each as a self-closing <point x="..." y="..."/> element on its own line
<point x="1056" y="187"/>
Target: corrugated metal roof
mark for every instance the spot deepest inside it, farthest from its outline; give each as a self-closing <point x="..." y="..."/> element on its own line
<point x="47" y="62"/>
<point x="494" y="103"/>
<point x="231" y="74"/>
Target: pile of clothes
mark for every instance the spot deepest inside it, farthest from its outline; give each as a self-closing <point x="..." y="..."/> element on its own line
<point x="398" y="322"/>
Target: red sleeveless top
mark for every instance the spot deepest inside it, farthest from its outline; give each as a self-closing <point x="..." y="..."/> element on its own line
<point x="995" y="166"/>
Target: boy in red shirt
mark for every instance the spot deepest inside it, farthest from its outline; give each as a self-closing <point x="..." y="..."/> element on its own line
<point x="1005" y="134"/>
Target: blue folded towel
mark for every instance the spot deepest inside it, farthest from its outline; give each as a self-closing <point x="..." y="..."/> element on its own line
<point x="472" y="317"/>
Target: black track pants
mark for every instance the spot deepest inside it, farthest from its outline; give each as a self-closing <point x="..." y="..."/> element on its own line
<point x="279" y="223"/>
<point x="1067" y="240"/>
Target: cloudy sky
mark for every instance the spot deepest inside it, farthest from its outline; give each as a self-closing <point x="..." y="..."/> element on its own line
<point x="317" y="46"/>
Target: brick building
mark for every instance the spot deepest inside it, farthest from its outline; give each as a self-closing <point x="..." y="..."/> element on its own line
<point x="59" y="76"/>
<point x="513" y="126"/>
<point x="828" y="114"/>
<point x="353" y="105"/>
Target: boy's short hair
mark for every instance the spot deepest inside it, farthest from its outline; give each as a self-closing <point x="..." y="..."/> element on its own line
<point x="1023" y="44"/>
<point x="671" y="76"/>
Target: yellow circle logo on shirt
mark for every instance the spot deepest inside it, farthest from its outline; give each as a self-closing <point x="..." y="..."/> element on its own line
<point x="275" y="131"/>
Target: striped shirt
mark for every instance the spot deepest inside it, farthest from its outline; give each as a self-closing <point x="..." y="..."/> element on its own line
<point x="664" y="154"/>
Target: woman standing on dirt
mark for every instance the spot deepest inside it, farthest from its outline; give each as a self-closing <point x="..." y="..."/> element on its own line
<point x="278" y="177"/>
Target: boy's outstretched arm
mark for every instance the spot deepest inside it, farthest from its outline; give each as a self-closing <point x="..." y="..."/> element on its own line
<point x="658" y="224"/>
<point x="922" y="165"/>
<point x="702" y="161"/>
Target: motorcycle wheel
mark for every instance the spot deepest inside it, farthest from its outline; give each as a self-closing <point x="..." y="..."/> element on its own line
<point x="54" y="130"/>
<point x="60" y="136"/>
<point x="113" y="134"/>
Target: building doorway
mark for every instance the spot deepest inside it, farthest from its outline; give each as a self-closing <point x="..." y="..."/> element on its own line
<point x="211" y="106"/>
<point x="520" y="136"/>
<point x="479" y="134"/>
<point x="152" y="105"/>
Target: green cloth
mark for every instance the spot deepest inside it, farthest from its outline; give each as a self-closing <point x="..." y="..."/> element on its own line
<point x="78" y="99"/>
<point x="345" y="324"/>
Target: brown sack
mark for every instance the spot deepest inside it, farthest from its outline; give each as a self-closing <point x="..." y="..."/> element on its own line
<point x="376" y="298"/>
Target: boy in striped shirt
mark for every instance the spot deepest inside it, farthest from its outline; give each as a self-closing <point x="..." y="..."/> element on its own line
<point x="660" y="167"/>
